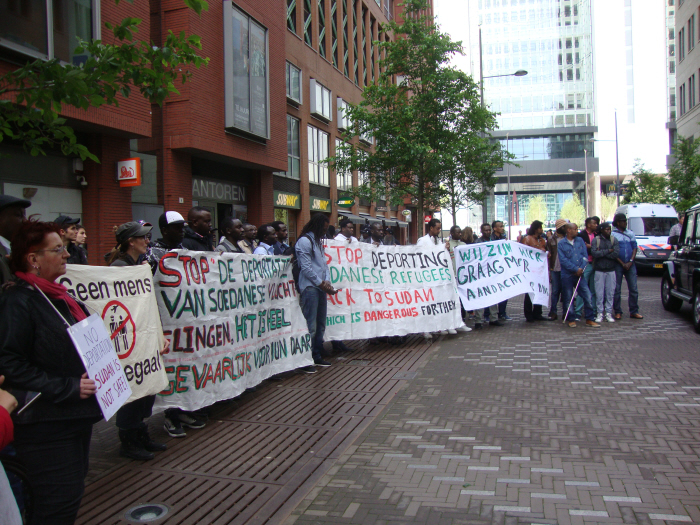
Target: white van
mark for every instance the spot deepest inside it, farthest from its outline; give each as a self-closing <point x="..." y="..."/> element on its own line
<point x="651" y="224"/>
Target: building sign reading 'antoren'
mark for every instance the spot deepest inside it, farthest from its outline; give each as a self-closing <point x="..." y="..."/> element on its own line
<point x="218" y="191"/>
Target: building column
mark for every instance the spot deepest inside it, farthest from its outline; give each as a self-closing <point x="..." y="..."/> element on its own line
<point x="261" y="199"/>
<point x="175" y="180"/>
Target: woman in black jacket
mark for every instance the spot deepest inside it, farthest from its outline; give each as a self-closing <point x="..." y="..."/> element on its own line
<point x="37" y="356"/>
<point x="132" y="239"/>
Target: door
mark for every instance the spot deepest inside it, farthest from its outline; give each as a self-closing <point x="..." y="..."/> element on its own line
<point x="685" y="246"/>
<point x="693" y="257"/>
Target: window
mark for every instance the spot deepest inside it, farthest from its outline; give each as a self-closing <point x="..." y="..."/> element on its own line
<point x="49" y="28"/>
<point x="335" y="19"/>
<point x="691" y="92"/>
<point x="293" y="148"/>
<point x="307" y="22"/>
<point x="292" y="15"/>
<point x="343" y="119"/>
<point x="320" y="100"/>
<point x="318" y="153"/>
<point x="681" y="44"/>
<point x="691" y="33"/>
<point x="322" y="28"/>
<point x="367" y="137"/>
<point x="344" y="179"/>
<point x="688" y="228"/>
<point x="245" y="73"/>
<point x="293" y="83"/>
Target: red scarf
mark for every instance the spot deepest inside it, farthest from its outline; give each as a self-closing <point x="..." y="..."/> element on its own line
<point x="54" y="291"/>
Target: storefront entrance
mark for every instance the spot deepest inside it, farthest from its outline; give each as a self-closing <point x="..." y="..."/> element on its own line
<point x="223" y="199"/>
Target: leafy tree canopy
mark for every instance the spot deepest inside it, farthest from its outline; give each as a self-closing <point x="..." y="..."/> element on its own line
<point x="684" y="175"/>
<point x="33" y="95"/>
<point x="646" y="186"/>
<point x="431" y="131"/>
<point x="574" y="211"/>
<point x="536" y="210"/>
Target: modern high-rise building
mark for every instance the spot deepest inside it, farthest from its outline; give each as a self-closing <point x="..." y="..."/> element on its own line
<point x="688" y="67"/>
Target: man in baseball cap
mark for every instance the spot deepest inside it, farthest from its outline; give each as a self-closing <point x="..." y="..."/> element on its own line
<point x="172" y="227"/>
<point x="69" y="233"/>
<point x="11" y="217"/>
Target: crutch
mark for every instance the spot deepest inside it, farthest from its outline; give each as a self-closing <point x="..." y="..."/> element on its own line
<point x="573" y="296"/>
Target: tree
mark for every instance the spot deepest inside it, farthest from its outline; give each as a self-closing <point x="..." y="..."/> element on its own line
<point x="573" y="210"/>
<point x="608" y="205"/>
<point x="646" y="186"/>
<point x="536" y="210"/>
<point x="684" y="175"/>
<point x="31" y="97"/>
<point x="432" y="144"/>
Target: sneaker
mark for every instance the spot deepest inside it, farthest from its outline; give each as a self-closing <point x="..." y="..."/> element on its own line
<point x="452" y="331"/>
<point x="428" y="336"/>
<point x="496" y="323"/>
<point x="444" y="332"/>
<point x="572" y="324"/>
<point x="174" y="428"/>
<point x="599" y="318"/>
<point x="187" y="419"/>
<point x="609" y="318"/>
<point x="321" y="362"/>
<point x="505" y="317"/>
<point x="464" y="328"/>
<point x="592" y="324"/>
<point x="308" y="369"/>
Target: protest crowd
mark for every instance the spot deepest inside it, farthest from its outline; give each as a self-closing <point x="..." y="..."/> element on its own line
<point x="49" y="404"/>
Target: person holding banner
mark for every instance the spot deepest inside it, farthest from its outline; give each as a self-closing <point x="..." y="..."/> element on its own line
<point x="248" y="244"/>
<point x="346" y="232"/>
<point x="574" y="259"/>
<point x="45" y="372"/>
<point x="232" y="229"/>
<point x="489" y="313"/>
<point x="172" y="228"/>
<point x="555" y="268"/>
<point x="534" y="239"/>
<point x="267" y="237"/>
<point x="133" y="431"/>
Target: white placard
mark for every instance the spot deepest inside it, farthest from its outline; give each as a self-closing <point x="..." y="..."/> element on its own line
<point x="93" y="343"/>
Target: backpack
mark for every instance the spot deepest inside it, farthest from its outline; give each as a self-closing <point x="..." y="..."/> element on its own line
<point x="296" y="270"/>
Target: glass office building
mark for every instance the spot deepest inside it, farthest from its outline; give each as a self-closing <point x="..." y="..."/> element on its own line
<point x="547" y="117"/>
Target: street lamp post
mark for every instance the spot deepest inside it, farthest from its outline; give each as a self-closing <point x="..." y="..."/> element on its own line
<point x="509" y="197"/>
<point x="518" y="73"/>
<point x="585" y="178"/>
<point x="617" y="160"/>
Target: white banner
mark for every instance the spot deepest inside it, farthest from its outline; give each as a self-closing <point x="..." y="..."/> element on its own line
<point x="491" y="272"/>
<point x="389" y="290"/>
<point x="233" y="321"/>
<point x="95" y="347"/>
<point x="124" y="298"/>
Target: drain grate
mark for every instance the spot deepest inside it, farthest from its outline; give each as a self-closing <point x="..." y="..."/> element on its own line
<point x="359" y="362"/>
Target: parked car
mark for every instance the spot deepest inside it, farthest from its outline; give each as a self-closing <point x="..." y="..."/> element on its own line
<point x="651" y="224"/>
<point x="681" y="277"/>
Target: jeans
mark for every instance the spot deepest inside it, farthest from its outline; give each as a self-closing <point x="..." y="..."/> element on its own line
<point x="568" y="281"/>
<point x="502" y="309"/>
<point x="488" y="314"/>
<point x="532" y="312"/>
<point x="556" y="293"/>
<point x="631" y="278"/>
<point x="605" y="291"/>
<point x="55" y="455"/>
<point x="589" y="277"/>
<point x="132" y="414"/>
<point x="314" y="305"/>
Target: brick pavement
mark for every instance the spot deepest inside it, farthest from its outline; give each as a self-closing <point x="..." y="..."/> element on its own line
<point x="533" y="423"/>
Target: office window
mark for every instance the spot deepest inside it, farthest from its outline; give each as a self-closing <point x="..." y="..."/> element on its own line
<point x="49" y="28"/>
<point x="343" y="119"/>
<point x="322" y="28"/>
<point x="343" y="179"/>
<point x="246" y="106"/>
<point x="293" y="83"/>
<point x="354" y="41"/>
<point x="293" y="148"/>
<point x="364" y="46"/>
<point x="346" y="47"/>
<point x="307" y="22"/>
<point x="335" y="19"/>
<point x="691" y="92"/>
<point x="320" y="101"/>
<point x="681" y="44"/>
<point x="318" y="153"/>
<point x="292" y="15"/>
<point x="691" y="33"/>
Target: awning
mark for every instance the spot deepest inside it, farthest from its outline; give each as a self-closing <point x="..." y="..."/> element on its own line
<point x="391" y="222"/>
<point x="370" y="219"/>
<point x="402" y="224"/>
<point x="351" y="216"/>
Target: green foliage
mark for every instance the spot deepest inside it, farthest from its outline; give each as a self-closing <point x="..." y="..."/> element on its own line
<point x="536" y="210"/>
<point x="608" y="206"/>
<point x="432" y="144"/>
<point x="684" y="175"/>
<point x="574" y="211"/>
<point x="41" y="88"/>
<point x="646" y="186"/>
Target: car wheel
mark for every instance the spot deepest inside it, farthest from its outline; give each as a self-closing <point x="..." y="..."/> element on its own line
<point x="696" y="310"/>
<point x="669" y="302"/>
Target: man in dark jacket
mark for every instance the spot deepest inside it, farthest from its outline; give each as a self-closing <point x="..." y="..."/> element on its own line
<point x="605" y="250"/>
<point x="587" y="235"/>
<point x="198" y="235"/>
<point x="172" y="227"/>
<point x="282" y="233"/>
<point x="69" y="232"/>
<point x="11" y="216"/>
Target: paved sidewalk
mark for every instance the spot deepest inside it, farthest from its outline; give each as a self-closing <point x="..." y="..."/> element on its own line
<point x="533" y="423"/>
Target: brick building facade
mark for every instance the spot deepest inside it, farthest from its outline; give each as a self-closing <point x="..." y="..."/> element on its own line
<point x="244" y="137"/>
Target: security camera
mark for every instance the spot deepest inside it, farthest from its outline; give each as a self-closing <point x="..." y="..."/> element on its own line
<point x="81" y="180"/>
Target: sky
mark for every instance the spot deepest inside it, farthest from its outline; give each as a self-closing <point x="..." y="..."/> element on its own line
<point x="647" y="137"/>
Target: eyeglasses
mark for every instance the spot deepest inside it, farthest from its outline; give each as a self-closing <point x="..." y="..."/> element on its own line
<point x="57" y="251"/>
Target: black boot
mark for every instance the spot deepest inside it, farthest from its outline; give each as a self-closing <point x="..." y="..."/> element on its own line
<point x="131" y="445"/>
<point x="148" y="443"/>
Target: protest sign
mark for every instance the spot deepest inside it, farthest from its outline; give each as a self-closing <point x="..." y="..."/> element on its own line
<point x="389" y="290"/>
<point x="124" y="297"/>
<point x="233" y="321"/>
<point x="491" y="272"/>
<point x="102" y="365"/>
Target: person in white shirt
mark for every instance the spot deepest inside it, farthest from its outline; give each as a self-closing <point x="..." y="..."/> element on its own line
<point x="346" y="230"/>
<point x="267" y="237"/>
<point x="431" y="239"/>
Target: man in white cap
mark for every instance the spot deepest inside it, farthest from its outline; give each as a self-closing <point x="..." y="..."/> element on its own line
<point x="11" y="217"/>
<point x="172" y="228"/>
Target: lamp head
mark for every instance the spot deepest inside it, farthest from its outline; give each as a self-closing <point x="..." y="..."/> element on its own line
<point x="520" y="73"/>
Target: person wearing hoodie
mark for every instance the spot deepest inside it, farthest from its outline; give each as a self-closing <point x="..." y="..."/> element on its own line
<point x="198" y="235"/>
